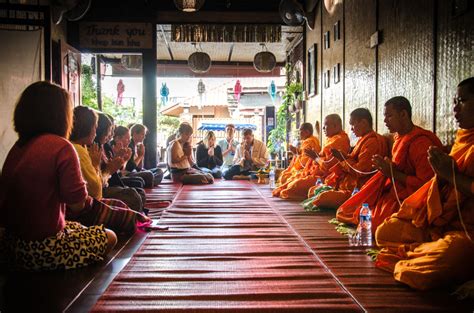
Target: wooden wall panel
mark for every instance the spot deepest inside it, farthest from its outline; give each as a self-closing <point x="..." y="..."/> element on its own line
<point x="359" y="75"/>
<point x="455" y="62"/>
<point x="406" y="57"/>
<point x="333" y="97"/>
<point x="313" y="105"/>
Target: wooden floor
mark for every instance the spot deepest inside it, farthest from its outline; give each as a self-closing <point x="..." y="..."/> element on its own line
<point x="230" y="247"/>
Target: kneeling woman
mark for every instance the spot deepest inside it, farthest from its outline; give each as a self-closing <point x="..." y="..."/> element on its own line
<point x="40" y="177"/>
<point x="113" y="213"/>
<point x="180" y="160"/>
<point x="209" y="156"/>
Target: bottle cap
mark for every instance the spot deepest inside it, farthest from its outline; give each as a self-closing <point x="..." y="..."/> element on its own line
<point x="365" y="204"/>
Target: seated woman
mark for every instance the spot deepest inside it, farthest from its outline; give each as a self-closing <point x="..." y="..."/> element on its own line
<point x="180" y="160"/>
<point x="135" y="163"/>
<point x="209" y="156"/>
<point x="111" y="212"/>
<point x="134" y="198"/>
<point x="40" y="177"/>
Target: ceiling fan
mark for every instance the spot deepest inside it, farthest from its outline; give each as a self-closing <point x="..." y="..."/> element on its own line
<point x="72" y="10"/>
<point x="298" y="12"/>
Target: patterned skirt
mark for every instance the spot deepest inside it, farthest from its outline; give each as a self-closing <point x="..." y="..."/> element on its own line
<point x="74" y="247"/>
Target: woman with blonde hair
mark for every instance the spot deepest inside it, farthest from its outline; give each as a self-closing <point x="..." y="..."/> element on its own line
<point x="209" y="155"/>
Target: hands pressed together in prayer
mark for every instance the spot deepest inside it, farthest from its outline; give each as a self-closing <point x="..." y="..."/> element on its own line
<point x="247" y="155"/>
<point x="210" y="151"/>
<point x="382" y="164"/>
<point x="187" y="149"/>
<point x="293" y="149"/>
<point x="95" y="152"/>
<point x="311" y="154"/>
<point x="140" y="150"/>
<point x="441" y="163"/>
<point x="338" y="154"/>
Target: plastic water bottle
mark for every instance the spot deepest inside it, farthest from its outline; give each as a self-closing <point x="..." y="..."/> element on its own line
<point x="271" y="176"/>
<point x="356" y="190"/>
<point x="365" y="226"/>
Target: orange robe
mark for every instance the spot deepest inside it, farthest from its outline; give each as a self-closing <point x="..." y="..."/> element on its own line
<point x="410" y="156"/>
<point x="424" y="244"/>
<point x="299" y="161"/>
<point x="343" y="178"/>
<point x="297" y="186"/>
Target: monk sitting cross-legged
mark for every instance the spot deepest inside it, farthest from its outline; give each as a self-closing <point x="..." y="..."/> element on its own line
<point x="354" y="169"/>
<point x="428" y="243"/>
<point x="408" y="167"/>
<point x="297" y="186"/>
<point x="308" y="141"/>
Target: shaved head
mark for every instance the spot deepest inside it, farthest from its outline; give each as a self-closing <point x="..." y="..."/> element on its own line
<point x="335" y="118"/>
<point x="332" y="125"/>
<point x="308" y="127"/>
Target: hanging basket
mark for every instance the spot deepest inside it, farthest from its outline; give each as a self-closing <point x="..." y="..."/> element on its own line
<point x="199" y="62"/>
<point x="264" y="62"/>
<point x="132" y="62"/>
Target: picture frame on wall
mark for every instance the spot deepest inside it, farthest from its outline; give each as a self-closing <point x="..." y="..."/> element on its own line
<point x="312" y="70"/>
<point x="327" y="40"/>
<point x="337" y="31"/>
<point x="326" y="78"/>
<point x="337" y="73"/>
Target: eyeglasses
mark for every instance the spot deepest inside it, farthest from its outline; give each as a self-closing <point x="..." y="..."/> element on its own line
<point x="459" y="100"/>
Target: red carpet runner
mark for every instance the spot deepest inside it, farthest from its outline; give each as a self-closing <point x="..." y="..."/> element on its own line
<point x="226" y="250"/>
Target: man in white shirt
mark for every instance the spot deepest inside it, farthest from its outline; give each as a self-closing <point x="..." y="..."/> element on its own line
<point x="251" y="154"/>
<point x="228" y="147"/>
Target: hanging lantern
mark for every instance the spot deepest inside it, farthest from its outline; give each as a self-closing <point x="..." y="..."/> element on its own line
<point x="272" y="91"/>
<point x="264" y="61"/>
<point x="201" y="91"/>
<point x="237" y="91"/>
<point x="164" y="92"/>
<point x="199" y="62"/>
<point x="188" y="5"/>
<point x="132" y="62"/>
<point x="120" y="91"/>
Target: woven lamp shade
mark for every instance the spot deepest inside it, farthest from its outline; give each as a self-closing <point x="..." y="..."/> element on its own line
<point x="189" y="5"/>
<point x="199" y="62"/>
<point x="132" y="62"/>
<point x="264" y="62"/>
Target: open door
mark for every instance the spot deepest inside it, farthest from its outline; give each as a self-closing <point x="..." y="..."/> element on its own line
<point x="71" y="71"/>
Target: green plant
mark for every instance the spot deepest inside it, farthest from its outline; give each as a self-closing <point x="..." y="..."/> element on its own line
<point x="277" y="138"/>
<point x="123" y="114"/>
<point x="167" y="124"/>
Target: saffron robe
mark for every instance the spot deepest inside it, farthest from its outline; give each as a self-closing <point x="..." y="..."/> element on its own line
<point x="343" y="178"/>
<point x="410" y="156"/>
<point x="297" y="186"/>
<point x="424" y="244"/>
<point x="299" y="161"/>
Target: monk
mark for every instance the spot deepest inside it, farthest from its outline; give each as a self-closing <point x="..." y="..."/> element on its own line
<point x="354" y="169"/>
<point x="409" y="164"/>
<point x="428" y="243"/>
<point x="297" y="186"/>
<point x="308" y="141"/>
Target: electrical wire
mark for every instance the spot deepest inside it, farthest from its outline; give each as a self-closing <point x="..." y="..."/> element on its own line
<point x="458" y="206"/>
<point x="394" y="185"/>
<point x="356" y="170"/>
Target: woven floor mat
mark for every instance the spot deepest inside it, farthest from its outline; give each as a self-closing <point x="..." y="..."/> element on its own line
<point x="221" y="257"/>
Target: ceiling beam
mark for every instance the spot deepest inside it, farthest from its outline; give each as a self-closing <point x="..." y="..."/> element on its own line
<point x="208" y="17"/>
